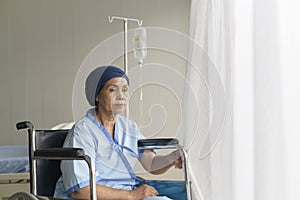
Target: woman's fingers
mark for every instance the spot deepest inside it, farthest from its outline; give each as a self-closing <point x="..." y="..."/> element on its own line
<point x="144" y="191"/>
<point x="177" y="158"/>
<point x="178" y="164"/>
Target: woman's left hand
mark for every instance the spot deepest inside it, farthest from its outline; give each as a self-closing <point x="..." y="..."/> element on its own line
<point x="178" y="160"/>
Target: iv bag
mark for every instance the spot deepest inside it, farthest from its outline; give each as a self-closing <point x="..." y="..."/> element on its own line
<point x="140" y="43"/>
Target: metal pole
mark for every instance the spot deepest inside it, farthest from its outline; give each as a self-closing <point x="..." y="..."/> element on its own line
<point x="33" y="183"/>
<point x="125" y="46"/>
<point x="126" y="58"/>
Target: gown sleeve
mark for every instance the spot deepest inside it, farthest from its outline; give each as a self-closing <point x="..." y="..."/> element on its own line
<point x="75" y="173"/>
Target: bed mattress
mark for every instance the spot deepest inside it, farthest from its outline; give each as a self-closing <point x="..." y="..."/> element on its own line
<point x="14" y="159"/>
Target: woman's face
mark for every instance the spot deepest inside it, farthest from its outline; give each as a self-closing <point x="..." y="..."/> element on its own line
<point x="113" y="96"/>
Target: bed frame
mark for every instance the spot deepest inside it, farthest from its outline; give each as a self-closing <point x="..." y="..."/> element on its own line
<point x="14" y="173"/>
<point x="13" y="182"/>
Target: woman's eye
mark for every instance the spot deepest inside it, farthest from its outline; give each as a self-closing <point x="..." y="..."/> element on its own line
<point x="114" y="90"/>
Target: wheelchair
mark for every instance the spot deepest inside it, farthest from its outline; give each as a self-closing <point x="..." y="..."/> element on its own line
<point x="46" y="153"/>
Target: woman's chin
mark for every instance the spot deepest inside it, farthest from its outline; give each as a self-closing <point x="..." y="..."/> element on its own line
<point x="117" y="111"/>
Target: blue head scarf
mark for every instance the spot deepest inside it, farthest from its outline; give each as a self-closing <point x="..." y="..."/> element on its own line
<point x="97" y="79"/>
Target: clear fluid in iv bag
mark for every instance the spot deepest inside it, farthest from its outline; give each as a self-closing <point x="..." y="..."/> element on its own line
<point x="140" y="43"/>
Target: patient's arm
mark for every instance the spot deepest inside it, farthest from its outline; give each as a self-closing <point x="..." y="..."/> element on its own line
<point x="104" y="192"/>
<point x="158" y="164"/>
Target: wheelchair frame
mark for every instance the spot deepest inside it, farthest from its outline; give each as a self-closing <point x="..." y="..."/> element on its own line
<point x="169" y="143"/>
<point x="78" y="154"/>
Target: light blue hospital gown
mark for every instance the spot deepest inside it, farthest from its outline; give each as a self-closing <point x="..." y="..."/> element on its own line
<point x="114" y="159"/>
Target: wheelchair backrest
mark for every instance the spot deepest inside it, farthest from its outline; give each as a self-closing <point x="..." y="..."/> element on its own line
<point x="48" y="171"/>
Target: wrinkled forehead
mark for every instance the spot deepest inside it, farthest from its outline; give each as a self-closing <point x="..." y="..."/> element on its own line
<point x="117" y="81"/>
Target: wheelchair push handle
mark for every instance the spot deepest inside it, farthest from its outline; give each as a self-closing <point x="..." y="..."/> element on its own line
<point x="24" y="125"/>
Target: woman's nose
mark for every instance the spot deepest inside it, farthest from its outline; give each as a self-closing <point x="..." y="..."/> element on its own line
<point x="120" y="94"/>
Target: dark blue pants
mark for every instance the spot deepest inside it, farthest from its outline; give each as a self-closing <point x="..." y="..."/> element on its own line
<point x="172" y="189"/>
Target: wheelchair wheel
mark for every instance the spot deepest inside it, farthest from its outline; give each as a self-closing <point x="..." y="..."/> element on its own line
<point x="23" y="196"/>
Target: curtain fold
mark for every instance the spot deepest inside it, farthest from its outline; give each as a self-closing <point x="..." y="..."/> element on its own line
<point x="208" y="136"/>
<point x="269" y="137"/>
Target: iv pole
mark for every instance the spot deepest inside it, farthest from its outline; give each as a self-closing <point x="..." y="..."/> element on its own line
<point x="125" y="23"/>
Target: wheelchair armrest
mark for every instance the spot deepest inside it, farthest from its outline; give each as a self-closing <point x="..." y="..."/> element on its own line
<point x="60" y="152"/>
<point x="158" y="142"/>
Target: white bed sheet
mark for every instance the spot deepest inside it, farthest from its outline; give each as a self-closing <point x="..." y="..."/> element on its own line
<point x="14" y="159"/>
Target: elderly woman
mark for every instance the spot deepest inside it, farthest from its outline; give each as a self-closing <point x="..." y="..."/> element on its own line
<point x="111" y="142"/>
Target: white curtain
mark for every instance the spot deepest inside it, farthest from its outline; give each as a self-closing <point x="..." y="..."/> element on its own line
<point x="254" y="45"/>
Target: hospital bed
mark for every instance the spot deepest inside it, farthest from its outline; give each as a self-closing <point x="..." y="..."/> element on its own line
<point x="14" y="170"/>
<point x="46" y="152"/>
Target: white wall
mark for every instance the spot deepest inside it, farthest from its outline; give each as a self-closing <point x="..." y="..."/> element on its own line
<point x="43" y="43"/>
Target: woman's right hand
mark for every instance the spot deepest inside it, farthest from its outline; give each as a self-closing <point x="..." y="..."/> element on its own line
<point x="142" y="192"/>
